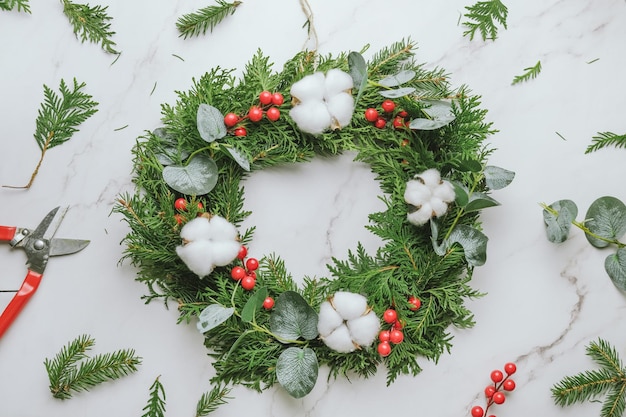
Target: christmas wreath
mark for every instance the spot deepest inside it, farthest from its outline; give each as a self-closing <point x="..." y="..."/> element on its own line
<point x="424" y="141"/>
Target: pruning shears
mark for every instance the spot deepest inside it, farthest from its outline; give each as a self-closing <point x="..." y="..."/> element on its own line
<point x="39" y="246"/>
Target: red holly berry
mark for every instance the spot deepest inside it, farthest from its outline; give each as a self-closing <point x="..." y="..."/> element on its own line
<point x="252" y="274"/>
<point x="180" y="204"/>
<point x="390" y="316"/>
<point x="380" y="123"/>
<point x="398" y="324"/>
<point x="273" y="114"/>
<point x="405" y="142"/>
<point x="498" y="397"/>
<point x="277" y="99"/>
<point x="388" y="106"/>
<point x="255" y="114"/>
<point x="384" y="335"/>
<point x="268" y="303"/>
<point x="265" y="97"/>
<point x="231" y="119"/>
<point x="396" y="336"/>
<point x="371" y="114"/>
<point x="477" y="411"/>
<point x="252" y="264"/>
<point x="384" y="349"/>
<point x="510" y="368"/>
<point x="415" y="303"/>
<point x="489" y="391"/>
<point x="178" y="218"/>
<point x="247" y="283"/>
<point x="496" y="376"/>
<point x="403" y="113"/>
<point x="508" y="385"/>
<point x="398" y="123"/>
<point x="243" y="251"/>
<point x="237" y="273"/>
<point x="241" y="131"/>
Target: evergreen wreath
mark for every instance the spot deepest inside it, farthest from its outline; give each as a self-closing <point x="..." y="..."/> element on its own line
<point x="424" y="141"/>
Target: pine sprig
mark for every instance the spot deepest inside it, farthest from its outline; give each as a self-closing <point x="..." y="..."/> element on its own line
<point x="156" y="401"/>
<point x="91" y="24"/>
<point x="71" y="370"/>
<point x="197" y="23"/>
<point x="21" y="5"/>
<point x="59" y="117"/>
<point x="609" y="380"/>
<point x="210" y="401"/>
<point x="484" y="17"/>
<point x="606" y="139"/>
<point x="529" y="73"/>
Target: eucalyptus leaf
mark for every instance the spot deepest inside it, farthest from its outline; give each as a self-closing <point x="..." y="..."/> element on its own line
<point x="254" y="303"/>
<point x="169" y="151"/>
<point x="497" y="178"/>
<point x="358" y="71"/>
<point x="297" y="370"/>
<point x="397" y="93"/>
<point x="615" y="266"/>
<point x="479" y="201"/>
<point x="427" y="124"/>
<point x="198" y="177"/>
<point x="473" y="241"/>
<point x="239" y="157"/>
<point x="212" y="316"/>
<point x="210" y="123"/>
<point x="397" y="79"/>
<point x="606" y="218"/>
<point x="467" y="165"/>
<point x="461" y="194"/>
<point x="439" y="112"/>
<point x="164" y="135"/>
<point x="292" y="318"/>
<point x="434" y="231"/>
<point x="558" y="219"/>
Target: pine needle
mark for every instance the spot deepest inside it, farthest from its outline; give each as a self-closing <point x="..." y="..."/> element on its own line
<point x="529" y="73"/>
<point x="156" y="403"/>
<point x="606" y="139"/>
<point x="22" y="5"/>
<point x="484" y="17"/>
<point x="91" y="24"/>
<point x="197" y="23"/>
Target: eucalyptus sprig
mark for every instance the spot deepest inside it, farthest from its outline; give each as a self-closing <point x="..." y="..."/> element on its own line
<point x="608" y="381"/>
<point x="484" y="17"/>
<point x="529" y="73"/>
<point x="91" y="24"/>
<point x="71" y="370"/>
<point x="197" y="23"/>
<point x="21" y="5"/>
<point x="58" y="119"/>
<point x="605" y="139"/>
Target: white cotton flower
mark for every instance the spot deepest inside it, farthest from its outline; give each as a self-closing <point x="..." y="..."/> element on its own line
<point x="429" y="194"/>
<point x="345" y="322"/>
<point x="208" y="241"/>
<point x="322" y="101"/>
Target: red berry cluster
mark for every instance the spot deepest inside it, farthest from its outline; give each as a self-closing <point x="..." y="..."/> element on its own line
<point x="495" y="392"/>
<point x="393" y="335"/>
<point x="268" y="106"/>
<point x="181" y="205"/>
<point x="398" y="118"/>
<point x="245" y="274"/>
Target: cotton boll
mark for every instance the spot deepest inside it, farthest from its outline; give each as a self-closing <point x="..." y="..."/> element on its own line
<point x="431" y="178"/>
<point x="416" y="193"/>
<point x="196" y="229"/>
<point x="224" y="252"/>
<point x="309" y="88"/>
<point x="341" y="107"/>
<point x="340" y="340"/>
<point x="311" y="117"/>
<point x="222" y="229"/>
<point x="328" y="319"/>
<point x="439" y="208"/>
<point x="336" y="82"/>
<point x="349" y="305"/>
<point x="445" y="191"/>
<point x="197" y="257"/>
<point x="420" y="216"/>
<point x="364" y="329"/>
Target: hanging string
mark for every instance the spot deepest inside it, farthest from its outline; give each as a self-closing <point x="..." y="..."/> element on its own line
<point x="312" y="38"/>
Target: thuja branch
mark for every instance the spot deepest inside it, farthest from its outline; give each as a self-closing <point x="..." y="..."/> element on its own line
<point x="197" y="23"/>
<point x="606" y="139"/>
<point x="91" y="24"/>
<point x="483" y="17"/>
<point x="22" y="5"/>
<point x="58" y="118"/>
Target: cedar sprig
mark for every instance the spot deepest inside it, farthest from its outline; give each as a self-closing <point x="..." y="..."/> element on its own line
<point x="606" y="139"/>
<point x="210" y="401"/>
<point x="21" y="5"/>
<point x="197" y="23"/>
<point x="483" y="17"/>
<point x="609" y="380"/>
<point x="529" y="74"/>
<point x="156" y="401"/>
<point x="59" y="117"/>
<point x="71" y="370"/>
<point x="91" y="24"/>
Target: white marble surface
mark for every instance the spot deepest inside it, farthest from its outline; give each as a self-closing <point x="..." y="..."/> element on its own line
<point x="545" y="302"/>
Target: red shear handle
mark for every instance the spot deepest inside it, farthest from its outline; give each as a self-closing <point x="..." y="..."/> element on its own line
<point x="28" y="288"/>
<point x="7" y="233"/>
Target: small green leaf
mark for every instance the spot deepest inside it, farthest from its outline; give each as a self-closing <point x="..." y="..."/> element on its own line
<point x="397" y="79"/>
<point x="473" y="241"/>
<point x="212" y="316"/>
<point x="358" y="72"/>
<point x="293" y="318"/>
<point x="439" y="114"/>
<point x="254" y="303"/>
<point x="479" y="201"/>
<point x="434" y="232"/>
<point x="170" y="153"/>
<point x="210" y="122"/>
<point x="198" y="177"/>
<point x="558" y="219"/>
<point x="606" y="218"/>
<point x="467" y="165"/>
<point x="297" y="370"/>
<point x="461" y="194"/>
<point x="615" y="266"/>
<point x="239" y="157"/>
<point x="497" y="178"/>
<point x="398" y="92"/>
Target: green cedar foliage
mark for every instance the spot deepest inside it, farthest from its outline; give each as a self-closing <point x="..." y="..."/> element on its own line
<point x="156" y="401"/>
<point x="197" y="23"/>
<point x="21" y="5"/>
<point x="246" y="352"/>
<point x="606" y="139"/>
<point x="483" y="17"/>
<point x="71" y="370"/>
<point x="59" y="117"/>
<point x="529" y="73"/>
<point x="608" y="381"/>
<point x="91" y="24"/>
